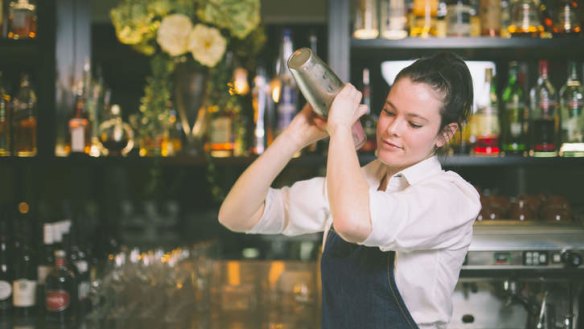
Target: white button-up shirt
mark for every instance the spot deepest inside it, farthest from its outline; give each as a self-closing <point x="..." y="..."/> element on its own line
<point x="425" y="215"/>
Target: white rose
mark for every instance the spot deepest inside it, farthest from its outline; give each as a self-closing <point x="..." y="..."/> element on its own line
<point x="207" y="45"/>
<point x="173" y="34"/>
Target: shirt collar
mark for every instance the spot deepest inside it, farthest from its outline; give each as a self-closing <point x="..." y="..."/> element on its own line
<point x="413" y="174"/>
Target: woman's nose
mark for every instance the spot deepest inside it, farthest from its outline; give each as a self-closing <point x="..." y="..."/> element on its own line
<point x="394" y="127"/>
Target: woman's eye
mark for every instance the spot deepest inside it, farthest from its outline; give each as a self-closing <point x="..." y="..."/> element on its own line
<point x="389" y="113"/>
<point x="416" y="126"/>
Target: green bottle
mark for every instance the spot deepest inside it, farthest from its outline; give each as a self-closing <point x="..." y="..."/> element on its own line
<point x="572" y="115"/>
<point x="514" y="120"/>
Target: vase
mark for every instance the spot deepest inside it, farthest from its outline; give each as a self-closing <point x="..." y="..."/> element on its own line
<point x="190" y="85"/>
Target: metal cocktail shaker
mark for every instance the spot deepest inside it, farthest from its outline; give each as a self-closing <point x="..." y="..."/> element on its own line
<point x="319" y="85"/>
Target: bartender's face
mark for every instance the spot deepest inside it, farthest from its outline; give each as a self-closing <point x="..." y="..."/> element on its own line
<point x="407" y="131"/>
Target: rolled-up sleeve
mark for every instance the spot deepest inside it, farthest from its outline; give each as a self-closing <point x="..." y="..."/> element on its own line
<point x="434" y="214"/>
<point x="299" y="209"/>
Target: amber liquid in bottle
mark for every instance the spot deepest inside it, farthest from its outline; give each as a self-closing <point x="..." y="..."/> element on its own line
<point x="22" y="20"/>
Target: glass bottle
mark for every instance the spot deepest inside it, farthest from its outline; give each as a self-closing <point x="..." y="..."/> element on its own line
<point x="79" y="125"/>
<point x="25" y="277"/>
<point x="365" y="23"/>
<point x="5" y="267"/>
<point x="490" y="17"/>
<point x="505" y="18"/>
<point x="24" y="120"/>
<point x="514" y="135"/>
<point x="115" y="135"/>
<point x="263" y="110"/>
<point x="572" y="114"/>
<point x="544" y="115"/>
<point x="568" y="21"/>
<point x="60" y="291"/>
<point x="547" y="17"/>
<point x="5" y="131"/>
<point x="423" y="24"/>
<point x="22" y="20"/>
<point x="458" y="18"/>
<point x="485" y="121"/>
<point x="46" y="252"/>
<point x="221" y="136"/>
<point x="394" y="21"/>
<point x="284" y="88"/>
<point x="174" y="137"/>
<point x="78" y="260"/>
<point x="525" y="19"/>
<point x="368" y="120"/>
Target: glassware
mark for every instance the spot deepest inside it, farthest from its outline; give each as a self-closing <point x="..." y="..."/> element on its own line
<point x="425" y="13"/>
<point x="5" y="131"/>
<point x="490" y="17"/>
<point x="485" y="121"/>
<point x="525" y="19"/>
<point x="25" y="277"/>
<point x="394" y="21"/>
<point x="116" y="136"/>
<point x="572" y="114"/>
<point x="319" y="84"/>
<point x="22" y="20"/>
<point x="5" y="266"/>
<point x="365" y="23"/>
<point x="514" y="139"/>
<point x="544" y="116"/>
<point x="60" y="292"/>
<point x="79" y="125"/>
<point x="284" y="88"/>
<point x="369" y="119"/>
<point x="263" y="109"/>
<point x="568" y="21"/>
<point x="24" y="121"/>
<point x="458" y="18"/>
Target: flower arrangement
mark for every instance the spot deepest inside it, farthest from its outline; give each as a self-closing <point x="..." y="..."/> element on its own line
<point x="198" y="33"/>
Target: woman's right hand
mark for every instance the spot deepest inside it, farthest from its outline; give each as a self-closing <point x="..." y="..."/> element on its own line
<point x="306" y="128"/>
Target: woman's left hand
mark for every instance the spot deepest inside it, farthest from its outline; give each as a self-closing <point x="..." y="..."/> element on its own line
<point x="345" y="109"/>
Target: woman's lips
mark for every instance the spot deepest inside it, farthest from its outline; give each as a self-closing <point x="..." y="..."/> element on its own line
<point x="392" y="145"/>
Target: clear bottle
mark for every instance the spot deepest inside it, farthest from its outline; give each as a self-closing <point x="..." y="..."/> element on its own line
<point x="490" y="17"/>
<point x="525" y="20"/>
<point x="284" y="89"/>
<point x="514" y="134"/>
<point x="544" y="115"/>
<point x="5" y="131"/>
<point x="572" y="115"/>
<point x="24" y="120"/>
<point x="60" y="292"/>
<point x="263" y="109"/>
<point x="368" y="120"/>
<point x="115" y="135"/>
<point x="22" y="20"/>
<point x="485" y="121"/>
<point x="365" y="22"/>
<point x="568" y="21"/>
<point x="394" y="20"/>
<point x="458" y="18"/>
<point x="79" y="124"/>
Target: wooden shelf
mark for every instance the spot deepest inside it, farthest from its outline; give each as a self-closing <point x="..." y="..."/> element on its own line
<point x="478" y="48"/>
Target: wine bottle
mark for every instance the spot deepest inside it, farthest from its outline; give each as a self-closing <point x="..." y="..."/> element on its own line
<point x="545" y="119"/>
<point x="5" y="267"/>
<point x="60" y="292"/>
<point x="514" y="140"/>
<point x="25" y="277"/>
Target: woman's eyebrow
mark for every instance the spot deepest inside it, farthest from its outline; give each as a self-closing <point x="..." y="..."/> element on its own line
<point x="409" y="115"/>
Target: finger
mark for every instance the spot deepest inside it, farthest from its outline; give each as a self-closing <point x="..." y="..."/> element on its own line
<point x="362" y="110"/>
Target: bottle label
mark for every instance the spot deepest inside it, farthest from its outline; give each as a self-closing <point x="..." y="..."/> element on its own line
<point x="221" y="131"/>
<point x="82" y="266"/>
<point x="5" y="290"/>
<point x="57" y="300"/>
<point x="24" y="293"/>
<point x="77" y="139"/>
<point x="42" y="272"/>
<point x="84" y="288"/>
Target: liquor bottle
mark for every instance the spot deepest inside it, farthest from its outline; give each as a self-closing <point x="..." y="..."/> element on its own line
<point x="485" y="121"/>
<point x="423" y="24"/>
<point x="458" y="18"/>
<point x="369" y="119"/>
<point x="5" y="131"/>
<point x="284" y="89"/>
<point x="394" y="19"/>
<point x="525" y="19"/>
<point x="490" y="17"/>
<point x="263" y="118"/>
<point x="79" y="263"/>
<point x="514" y="134"/>
<point x="24" y="121"/>
<point x="568" y="21"/>
<point x="365" y="22"/>
<point x="60" y="291"/>
<point x="547" y="17"/>
<point x="5" y="267"/>
<point x="2" y="20"/>
<point x="22" y="20"/>
<point x="46" y="251"/>
<point x="79" y="125"/>
<point x="572" y="114"/>
<point x="24" y="284"/>
<point x="505" y="18"/>
<point x="544" y="115"/>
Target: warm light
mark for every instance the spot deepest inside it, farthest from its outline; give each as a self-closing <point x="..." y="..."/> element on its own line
<point x="23" y="208"/>
<point x="233" y="273"/>
<point x="276" y="270"/>
<point x="276" y="87"/>
<point x="240" y="81"/>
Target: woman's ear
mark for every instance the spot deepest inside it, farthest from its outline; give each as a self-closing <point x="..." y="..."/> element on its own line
<point x="447" y="133"/>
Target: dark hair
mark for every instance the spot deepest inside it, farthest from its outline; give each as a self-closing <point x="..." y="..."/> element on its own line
<point x="447" y="74"/>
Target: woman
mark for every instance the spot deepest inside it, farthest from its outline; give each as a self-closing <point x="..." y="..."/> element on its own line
<point x="396" y="230"/>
